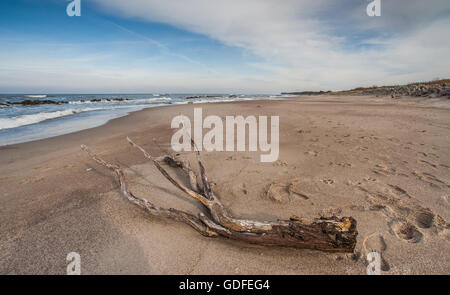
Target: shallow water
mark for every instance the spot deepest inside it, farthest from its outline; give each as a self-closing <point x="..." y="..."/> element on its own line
<point x="69" y="113"/>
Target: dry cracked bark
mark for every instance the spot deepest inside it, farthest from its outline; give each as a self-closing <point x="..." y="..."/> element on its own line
<point x="332" y="234"/>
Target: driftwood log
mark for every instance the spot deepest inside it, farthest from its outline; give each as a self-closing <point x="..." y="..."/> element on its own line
<point x="333" y="234"/>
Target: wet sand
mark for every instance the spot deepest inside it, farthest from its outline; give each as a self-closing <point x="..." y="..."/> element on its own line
<point x="384" y="161"/>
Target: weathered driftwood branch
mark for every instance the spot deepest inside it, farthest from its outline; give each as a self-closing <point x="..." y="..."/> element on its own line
<point x="178" y="215"/>
<point x="333" y="234"/>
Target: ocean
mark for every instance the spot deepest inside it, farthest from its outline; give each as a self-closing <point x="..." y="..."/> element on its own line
<point x="28" y="117"/>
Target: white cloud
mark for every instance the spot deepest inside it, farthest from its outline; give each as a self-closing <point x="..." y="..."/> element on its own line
<point x="308" y="44"/>
<point x="302" y="45"/>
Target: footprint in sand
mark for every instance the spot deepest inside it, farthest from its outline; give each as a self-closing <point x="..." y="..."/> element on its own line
<point x="240" y="189"/>
<point x="393" y="139"/>
<point x="424" y="218"/>
<point x="340" y="164"/>
<point x="345" y="165"/>
<point x="445" y="166"/>
<point x="278" y="192"/>
<point x="383" y="170"/>
<point x="331" y="211"/>
<point x="362" y="148"/>
<point x="399" y="190"/>
<point x="430" y="179"/>
<point x="295" y="188"/>
<point x="433" y="155"/>
<point x="406" y="231"/>
<point x="301" y="189"/>
<point x="428" y="163"/>
<point x="443" y="227"/>
<point x="375" y="243"/>
<point x="327" y="180"/>
<point x="42" y="168"/>
<point x="280" y="163"/>
<point x="368" y="178"/>
<point x="371" y="137"/>
<point x="405" y="214"/>
<point x="32" y="180"/>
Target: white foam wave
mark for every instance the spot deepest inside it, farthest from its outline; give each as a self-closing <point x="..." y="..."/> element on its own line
<point x="144" y="100"/>
<point x="6" y="123"/>
<point x="214" y="100"/>
<point x="36" y="95"/>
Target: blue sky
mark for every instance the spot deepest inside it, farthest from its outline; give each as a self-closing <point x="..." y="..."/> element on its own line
<point x="261" y="46"/>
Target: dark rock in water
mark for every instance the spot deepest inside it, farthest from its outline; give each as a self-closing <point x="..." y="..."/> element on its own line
<point x="30" y="102"/>
<point x="116" y="99"/>
<point x="199" y="96"/>
<point x="108" y="99"/>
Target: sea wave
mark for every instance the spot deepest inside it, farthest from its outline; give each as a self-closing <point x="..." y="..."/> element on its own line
<point x="13" y="122"/>
<point x="143" y="100"/>
<point x="36" y="95"/>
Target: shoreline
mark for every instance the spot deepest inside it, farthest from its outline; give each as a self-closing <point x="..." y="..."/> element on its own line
<point x="338" y="151"/>
<point x="315" y="98"/>
<point x="68" y="120"/>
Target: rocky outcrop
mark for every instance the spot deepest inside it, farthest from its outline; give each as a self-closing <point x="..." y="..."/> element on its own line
<point x="436" y="88"/>
<point x="30" y="102"/>
<point x="414" y="90"/>
<point x="34" y="102"/>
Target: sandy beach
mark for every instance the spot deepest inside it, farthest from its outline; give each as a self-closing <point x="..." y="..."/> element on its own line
<point x="383" y="161"/>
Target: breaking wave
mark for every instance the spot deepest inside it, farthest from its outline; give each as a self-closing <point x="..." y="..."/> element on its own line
<point x="36" y="95"/>
<point x="6" y="123"/>
<point x="140" y="101"/>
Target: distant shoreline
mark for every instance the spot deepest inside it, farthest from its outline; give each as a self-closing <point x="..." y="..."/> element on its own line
<point x="435" y="88"/>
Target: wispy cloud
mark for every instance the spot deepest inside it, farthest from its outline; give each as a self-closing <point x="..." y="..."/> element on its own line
<point x="234" y="46"/>
<point x="165" y="48"/>
<point x="316" y="44"/>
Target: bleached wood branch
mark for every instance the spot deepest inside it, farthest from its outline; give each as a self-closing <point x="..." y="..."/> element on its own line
<point x="333" y="234"/>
